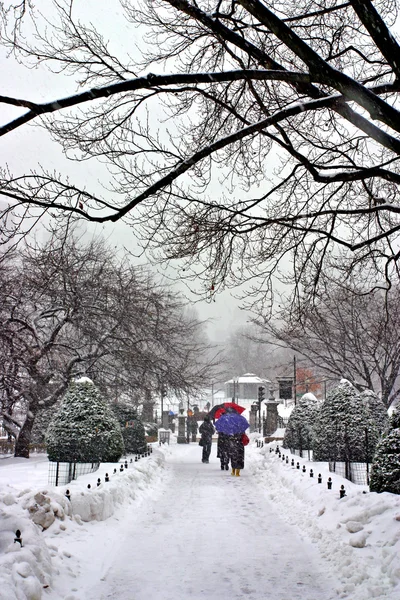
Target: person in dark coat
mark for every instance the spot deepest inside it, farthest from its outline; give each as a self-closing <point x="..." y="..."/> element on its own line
<point x="206" y="431"/>
<point x="223" y="450"/>
<point x="236" y="453"/>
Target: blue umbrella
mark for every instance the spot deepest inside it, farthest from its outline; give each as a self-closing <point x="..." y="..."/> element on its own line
<point x="231" y="423"/>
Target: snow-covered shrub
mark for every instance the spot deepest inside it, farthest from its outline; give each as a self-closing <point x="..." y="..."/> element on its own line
<point x="377" y="409"/>
<point x="344" y="429"/>
<point x="299" y="433"/>
<point x="84" y="429"/>
<point x="133" y="431"/>
<point x="385" y="473"/>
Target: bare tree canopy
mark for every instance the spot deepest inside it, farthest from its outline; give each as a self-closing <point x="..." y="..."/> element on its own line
<point x="69" y="308"/>
<point x="347" y="335"/>
<point x="251" y="140"/>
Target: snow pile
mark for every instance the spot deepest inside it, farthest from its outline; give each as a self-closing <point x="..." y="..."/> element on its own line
<point x="39" y="514"/>
<point x="359" y="534"/>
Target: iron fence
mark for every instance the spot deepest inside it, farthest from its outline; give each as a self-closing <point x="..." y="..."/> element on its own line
<point x="61" y="473"/>
<point x="357" y="472"/>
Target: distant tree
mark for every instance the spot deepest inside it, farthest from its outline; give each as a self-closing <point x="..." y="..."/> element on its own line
<point x="84" y="429"/>
<point x="385" y="472"/>
<point x="247" y="352"/>
<point x="133" y="431"/>
<point x="299" y="432"/>
<point x="341" y="426"/>
<point x="307" y="381"/>
<point x="345" y="334"/>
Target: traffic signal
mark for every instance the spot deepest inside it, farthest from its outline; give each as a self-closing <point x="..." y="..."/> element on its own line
<point x="261" y="394"/>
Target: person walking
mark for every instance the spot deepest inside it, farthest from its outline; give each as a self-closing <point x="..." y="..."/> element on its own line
<point x="236" y="444"/>
<point x="206" y="431"/>
<point x="223" y="450"/>
<point x="234" y="426"/>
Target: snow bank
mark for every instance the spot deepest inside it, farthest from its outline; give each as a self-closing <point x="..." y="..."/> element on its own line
<point x="359" y="534"/>
<point x="26" y="570"/>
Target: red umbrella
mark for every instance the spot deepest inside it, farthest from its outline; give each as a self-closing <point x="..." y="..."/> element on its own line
<point x="221" y="409"/>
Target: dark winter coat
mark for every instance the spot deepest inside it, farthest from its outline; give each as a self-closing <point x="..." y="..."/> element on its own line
<point x="206" y="430"/>
<point x="223" y="445"/>
<point x="236" y="451"/>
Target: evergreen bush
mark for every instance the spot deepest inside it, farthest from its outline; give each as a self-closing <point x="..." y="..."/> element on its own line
<point x="133" y="431"/>
<point x="385" y="473"/>
<point x="345" y="429"/>
<point x="84" y="429"/>
<point x="299" y="432"/>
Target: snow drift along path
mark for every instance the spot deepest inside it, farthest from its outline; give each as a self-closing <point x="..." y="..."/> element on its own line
<point x="203" y="534"/>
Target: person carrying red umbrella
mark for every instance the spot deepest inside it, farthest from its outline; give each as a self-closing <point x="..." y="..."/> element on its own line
<point x="233" y="426"/>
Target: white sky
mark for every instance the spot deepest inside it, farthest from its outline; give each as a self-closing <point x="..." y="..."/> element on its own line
<point x="29" y="146"/>
<point x="170" y="527"/>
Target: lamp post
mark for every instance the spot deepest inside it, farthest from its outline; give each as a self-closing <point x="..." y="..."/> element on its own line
<point x="181" y="425"/>
<point x="261" y="398"/>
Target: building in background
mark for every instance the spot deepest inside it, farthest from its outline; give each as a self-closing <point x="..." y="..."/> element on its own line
<point x="244" y="389"/>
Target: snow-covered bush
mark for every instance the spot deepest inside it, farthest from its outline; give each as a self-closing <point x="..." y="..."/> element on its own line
<point x="385" y="474"/>
<point x="299" y="433"/>
<point x="377" y="409"/>
<point x="84" y="429"/>
<point x="345" y="428"/>
<point x="133" y="431"/>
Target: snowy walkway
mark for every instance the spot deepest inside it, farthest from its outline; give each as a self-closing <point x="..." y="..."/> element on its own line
<point x="202" y="535"/>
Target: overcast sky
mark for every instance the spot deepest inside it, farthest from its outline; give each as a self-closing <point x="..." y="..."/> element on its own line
<point x="28" y="147"/>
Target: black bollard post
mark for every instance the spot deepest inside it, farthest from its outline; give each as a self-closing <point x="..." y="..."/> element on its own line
<point x="67" y="495"/>
<point x="126" y="464"/>
<point x="98" y="482"/>
<point x="311" y="473"/>
<point x="89" y="486"/>
<point x="131" y="460"/>
<point x="18" y="537"/>
<point x="297" y="465"/>
<point x="121" y="468"/>
<point x="304" y="468"/>
<point x="319" y="478"/>
<point x="270" y="450"/>
<point x="106" y="478"/>
<point x="136" y="458"/>
<point x="115" y="470"/>
<point x="292" y="463"/>
<point x="342" y="492"/>
<point x="329" y="483"/>
<point x="287" y="460"/>
<point x="283" y="457"/>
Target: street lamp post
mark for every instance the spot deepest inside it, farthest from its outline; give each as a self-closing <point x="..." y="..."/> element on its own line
<point x="261" y="398"/>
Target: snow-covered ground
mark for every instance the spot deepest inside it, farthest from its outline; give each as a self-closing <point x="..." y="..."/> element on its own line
<point x="171" y="527"/>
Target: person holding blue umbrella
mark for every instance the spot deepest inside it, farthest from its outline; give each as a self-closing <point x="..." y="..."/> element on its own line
<point x="234" y="426"/>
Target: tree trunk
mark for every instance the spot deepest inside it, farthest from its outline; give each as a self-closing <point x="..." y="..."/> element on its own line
<point x="24" y="439"/>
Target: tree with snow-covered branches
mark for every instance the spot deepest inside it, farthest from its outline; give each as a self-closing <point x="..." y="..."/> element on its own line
<point x="299" y="430"/>
<point x="84" y="429"/>
<point x="385" y="474"/>
<point x="294" y="104"/>
<point x="345" y="429"/>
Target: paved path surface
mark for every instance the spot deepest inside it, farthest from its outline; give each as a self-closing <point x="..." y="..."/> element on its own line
<point x="204" y="535"/>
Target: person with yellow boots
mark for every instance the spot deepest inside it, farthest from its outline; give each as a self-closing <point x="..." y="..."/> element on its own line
<point x="236" y="446"/>
<point x="234" y="425"/>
